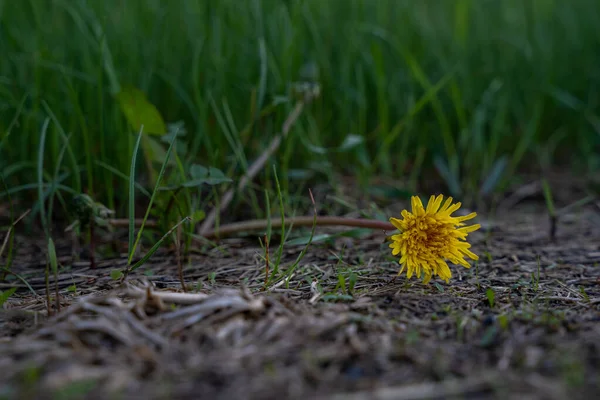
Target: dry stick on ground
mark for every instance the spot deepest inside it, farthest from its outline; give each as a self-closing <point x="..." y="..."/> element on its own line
<point x="259" y="224"/>
<point x="255" y="168"/>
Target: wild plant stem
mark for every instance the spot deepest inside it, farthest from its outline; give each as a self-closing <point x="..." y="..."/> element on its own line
<point x="258" y="224"/>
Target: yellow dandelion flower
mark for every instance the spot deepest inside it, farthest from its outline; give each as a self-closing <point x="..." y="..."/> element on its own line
<point x="431" y="236"/>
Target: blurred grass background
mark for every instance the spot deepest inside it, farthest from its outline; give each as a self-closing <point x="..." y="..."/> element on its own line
<point x="472" y="92"/>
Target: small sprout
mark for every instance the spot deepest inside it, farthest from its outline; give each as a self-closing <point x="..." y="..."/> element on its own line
<point x="551" y="209"/>
<point x="341" y="283"/>
<point x="503" y="321"/>
<point x="491" y="296"/>
<point x="211" y="277"/>
<point x="351" y="282"/>
<point x="489" y="256"/>
<point x="72" y="288"/>
<point x="584" y="294"/>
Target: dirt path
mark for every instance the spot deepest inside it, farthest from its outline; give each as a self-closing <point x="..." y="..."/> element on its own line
<point x="525" y="321"/>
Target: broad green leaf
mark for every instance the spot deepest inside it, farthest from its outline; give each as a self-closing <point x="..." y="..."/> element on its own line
<point x="201" y="175"/>
<point x="139" y="111"/>
<point x="198" y="171"/>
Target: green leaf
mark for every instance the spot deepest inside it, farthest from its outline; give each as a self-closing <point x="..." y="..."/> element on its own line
<point x="149" y="207"/>
<point x="198" y="216"/>
<point x="139" y="111"/>
<point x="155" y="150"/>
<point x="342" y="283"/>
<point x="6" y="294"/>
<point x="200" y="172"/>
<point x="157" y="245"/>
<point x="351" y="282"/>
<point x="115" y="274"/>
<point x="494" y="176"/>
<point x="548" y="197"/>
<point x="52" y="256"/>
<point x="132" y="195"/>
<point x="351" y="141"/>
<point x="72" y="289"/>
<point x="306" y="239"/>
<point x="352" y="233"/>
<point x="201" y="176"/>
<point x="449" y="177"/>
<point x="389" y="192"/>
<point x="503" y="321"/>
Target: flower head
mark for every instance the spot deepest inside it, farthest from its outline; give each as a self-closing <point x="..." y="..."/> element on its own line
<point x="431" y="236"/>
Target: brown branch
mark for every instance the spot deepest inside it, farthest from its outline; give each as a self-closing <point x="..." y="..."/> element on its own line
<point x="258" y="224"/>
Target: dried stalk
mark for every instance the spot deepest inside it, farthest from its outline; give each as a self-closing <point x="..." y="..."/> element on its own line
<point x="258" y="224"/>
<point x="253" y="170"/>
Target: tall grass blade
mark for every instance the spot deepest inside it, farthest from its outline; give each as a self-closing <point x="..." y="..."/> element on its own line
<point x="156" y="246"/>
<point x="132" y="195"/>
<point x="156" y="186"/>
<point x="40" y="177"/>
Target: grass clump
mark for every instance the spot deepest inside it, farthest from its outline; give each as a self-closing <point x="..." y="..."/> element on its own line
<point x="467" y="90"/>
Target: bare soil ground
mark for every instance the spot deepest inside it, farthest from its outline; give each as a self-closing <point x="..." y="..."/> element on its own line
<point x="525" y="321"/>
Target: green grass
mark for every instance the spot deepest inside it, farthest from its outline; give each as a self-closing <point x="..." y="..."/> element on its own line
<point x="470" y="90"/>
